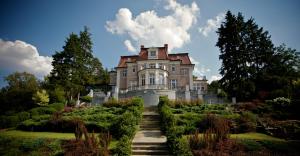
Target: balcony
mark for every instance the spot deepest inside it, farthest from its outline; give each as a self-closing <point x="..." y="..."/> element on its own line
<point x="155" y="87"/>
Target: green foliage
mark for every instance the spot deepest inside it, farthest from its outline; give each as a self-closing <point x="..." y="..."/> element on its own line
<point x="41" y="98"/>
<point x="57" y="106"/>
<point x="247" y="122"/>
<point x="251" y="145"/>
<point x="41" y="111"/>
<point x="123" y="146"/>
<point x="280" y="102"/>
<point x="17" y="96"/>
<point x="58" y="95"/>
<point x="87" y="99"/>
<point x="75" y="67"/>
<point x="182" y="147"/>
<point x="30" y="145"/>
<point x="248" y="52"/>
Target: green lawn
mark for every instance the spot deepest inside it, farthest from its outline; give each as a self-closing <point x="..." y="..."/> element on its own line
<point x="48" y="135"/>
<point x="255" y="136"/>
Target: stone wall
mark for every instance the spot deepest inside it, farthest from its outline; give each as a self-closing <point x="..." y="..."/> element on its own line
<point x="150" y="97"/>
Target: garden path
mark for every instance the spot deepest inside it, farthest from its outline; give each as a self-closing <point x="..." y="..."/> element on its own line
<point x="149" y="140"/>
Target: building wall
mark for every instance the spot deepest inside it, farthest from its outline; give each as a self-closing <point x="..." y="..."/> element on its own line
<point x="132" y="79"/>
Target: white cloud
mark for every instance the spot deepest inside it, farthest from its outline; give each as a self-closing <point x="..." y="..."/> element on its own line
<point x="212" y="24"/>
<point x="21" y="56"/>
<point x="129" y="46"/>
<point x="199" y="71"/>
<point x="149" y="29"/>
<point x="214" y="77"/>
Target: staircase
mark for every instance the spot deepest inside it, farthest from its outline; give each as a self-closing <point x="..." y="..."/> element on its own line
<point x="149" y="139"/>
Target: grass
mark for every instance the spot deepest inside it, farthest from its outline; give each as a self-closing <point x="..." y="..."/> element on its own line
<point x="46" y="135"/>
<point x="255" y="136"/>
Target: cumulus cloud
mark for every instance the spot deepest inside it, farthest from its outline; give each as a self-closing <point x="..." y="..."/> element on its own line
<point x="199" y="71"/>
<point x="129" y="46"/>
<point x="21" y="56"/>
<point x="214" y="77"/>
<point x="212" y="24"/>
<point x="149" y="29"/>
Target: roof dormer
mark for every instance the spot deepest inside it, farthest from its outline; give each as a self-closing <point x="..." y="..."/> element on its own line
<point x="152" y="53"/>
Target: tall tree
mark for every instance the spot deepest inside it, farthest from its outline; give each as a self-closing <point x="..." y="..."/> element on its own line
<point x="245" y="51"/>
<point x="75" y="67"/>
<point x="17" y="95"/>
<point x="251" y="64"/>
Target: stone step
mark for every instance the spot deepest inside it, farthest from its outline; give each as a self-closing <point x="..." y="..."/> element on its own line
<point x="151" y="109"/>
<point x="149" y="143"/>
<point x="149" y="147"/>
<point x="149" y="128"/>
<point x="150" y="123"/>
<point x="150" y="152"/>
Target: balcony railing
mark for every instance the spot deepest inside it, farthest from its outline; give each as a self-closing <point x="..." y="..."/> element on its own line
<point x="158" y="86"/>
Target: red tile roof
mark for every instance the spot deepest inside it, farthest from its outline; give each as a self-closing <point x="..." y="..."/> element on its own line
<point x="162" y="55"/>
<point x="183" y="57"/>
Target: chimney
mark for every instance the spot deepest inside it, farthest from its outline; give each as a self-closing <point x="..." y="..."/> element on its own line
<point x="142" y="46"/>
<point x="166" y="46"/>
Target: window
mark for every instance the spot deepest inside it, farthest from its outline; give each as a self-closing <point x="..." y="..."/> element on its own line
<point x="143" y="80"/>
<point x="160" y="66"/>
<point x="144" y="66"/>
<point x="152" y="79"/>
<point x="173" y="84"/>
<point x="132" y="84"/>
<point x="161" y="79"/>
<point x="173" y="68"/>
<point x="184" y="71"/>
<point x="152" y="53"/>
<point x="124" y="73"/>
<point x="133" y="69"/>
<point x="152" y="65"/>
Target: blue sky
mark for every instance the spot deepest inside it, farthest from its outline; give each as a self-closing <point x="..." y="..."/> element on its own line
<point x="41" y="28"/>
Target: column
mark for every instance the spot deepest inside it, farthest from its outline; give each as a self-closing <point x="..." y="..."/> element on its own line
<point x="191" y="77"/>
<point x="146" y="79"/>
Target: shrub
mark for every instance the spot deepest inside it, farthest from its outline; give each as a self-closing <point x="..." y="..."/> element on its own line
<point x="247" y="122"/>
<point x="58" y="95"/>
<point x="182" y="147"/>
<point x="123" y="146"/>
<point x="41" y="111"/>
<point x="57" y="106"/>
<point x="23" y="116"/>
<point x="55" y="147"/>
<point x="9" y="121"/>
<point x="127" y="125"/>
<point x="12" y="120"/>
<point x="41" y="98"/>
<point x="87" y="99"/>
<point x="251" y="145"/>
<point x="29" y="145"/>
<point x="280" y="102"/>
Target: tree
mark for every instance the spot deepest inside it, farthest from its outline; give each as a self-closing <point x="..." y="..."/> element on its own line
<point x="245" y="51"/>
<point x="283" y="70"/>
<point x="75" y="68"/>
<point x="251" y="65"/>
<point x="17" y="95"/>
<point x="41" y="98"/>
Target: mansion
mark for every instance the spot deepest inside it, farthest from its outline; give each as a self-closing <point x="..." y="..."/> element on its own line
<point x="155" y="72"/>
